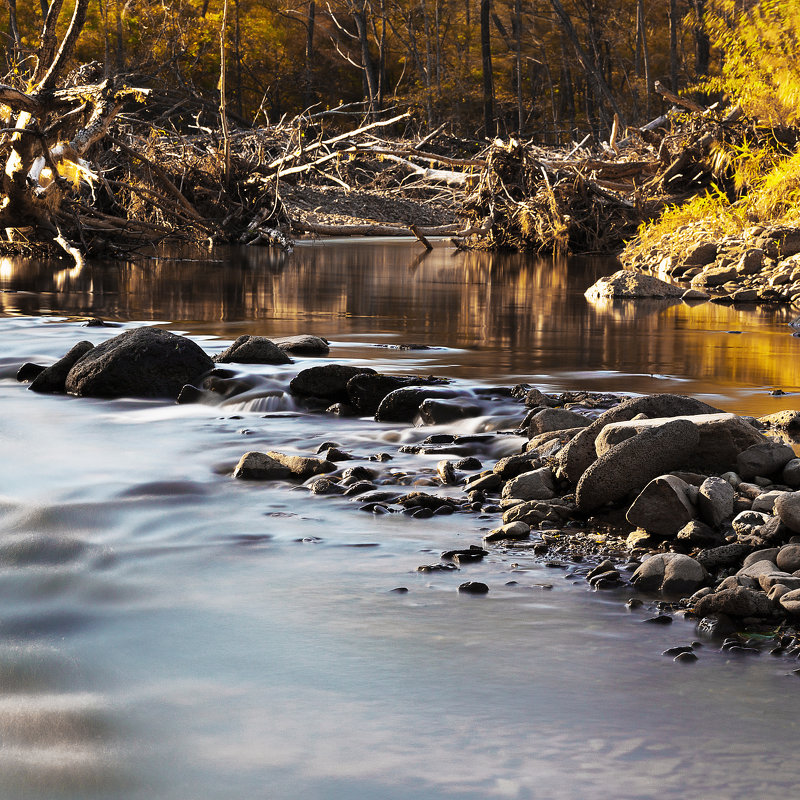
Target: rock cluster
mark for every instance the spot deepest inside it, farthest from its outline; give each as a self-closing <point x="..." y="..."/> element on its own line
<point x="760" y="265"/>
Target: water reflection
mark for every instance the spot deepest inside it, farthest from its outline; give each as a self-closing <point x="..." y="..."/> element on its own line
<point x="519" y="318"/>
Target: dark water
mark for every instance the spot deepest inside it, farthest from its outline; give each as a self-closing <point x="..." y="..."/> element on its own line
<point x="166" y="632"/>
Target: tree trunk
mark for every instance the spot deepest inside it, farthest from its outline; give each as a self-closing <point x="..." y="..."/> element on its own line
<point x="643" y="53"/>
<point x="367" y="64"/>
<point x="673" y="45"/>
<point x="308" y="92"/>
<point x="486" y="64"/>
<point x="702" y="42"/>
<point x="592" y="75"/>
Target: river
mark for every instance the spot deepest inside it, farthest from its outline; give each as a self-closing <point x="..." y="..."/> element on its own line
<point x="167" y="632"/>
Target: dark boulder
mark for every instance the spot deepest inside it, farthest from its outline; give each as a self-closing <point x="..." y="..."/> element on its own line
<point x="328" y="381"/>
<point x="402" y="405"/>
<point x="53" y="378"/>
<point x="253" y="350"/>
<point x="145" y="362"/>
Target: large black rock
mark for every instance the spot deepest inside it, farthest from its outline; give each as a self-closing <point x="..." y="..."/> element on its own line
<point x="145" y="362"/>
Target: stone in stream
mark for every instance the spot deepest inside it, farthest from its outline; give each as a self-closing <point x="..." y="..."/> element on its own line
<point x="473" y="587"/>
<point x="303" y="345"/>
<point x="144" y="362"/>
<point x="302" y="467"/>
<point x="670" y="573"/>
<point x="633" y="463"/>
<point x="53" y="378"/>
<point x="662" y="507"/>
<point x="328" y="381"/>
<point x="253" y="350"/>
<point x="439" y="412"/>
<point x="513" y="531"/>
<point x="402" y="405"/>
<point x="368" y="389"/>
<point x="28" y="371"/>
<point x="736" y="602"/>
<point x="628" y="284"/>
<point x="257" y="466"/>
<point x="575" y="458"/>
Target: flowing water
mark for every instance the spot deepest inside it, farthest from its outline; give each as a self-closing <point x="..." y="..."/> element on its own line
<point x="167" y="632"/>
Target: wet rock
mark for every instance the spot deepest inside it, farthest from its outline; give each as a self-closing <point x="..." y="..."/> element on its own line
<point x="468" y="464"/>
<point x="359" y="473"/>
<point x="402" y="405"/>
<point x="473" y="587"/>
<point x="257" y="466"/>
<point x="763" y="459"/>
<point x="736" y="602"/>
<point x="535" y="485"/>
<point x="424" y="500"/>
<point x="446" y="472"/>
<point x="715" y="501"/>
<point x="145" y="362"/>
<point x="533" y="398"/>
<point x="253" y="350"/>
<point x="440" y="412"/>
<point x="573" y="460"/>
<point x="368" y="389"/>
<point x="628" y="284"/>
<point x="782" y="420"/>
<point x="670" y="573"/>
<point x="302" y="467"/>
<point x="555" y="419"/>
<point x="28" y="371"/>
<point x="328" y="381"/>
<point x="662" y="507"/>
<point x="326" y="486"/>
<point x="53" y="378"/>
<point x="487" y="481"/>
<point x="635" y="462"/>
<point x="303" y="345"/>
<point x="189" y="394"/>
<point x="787" y="508"/>
<point x="513" y="531"/>
<point x="336" y="455"/>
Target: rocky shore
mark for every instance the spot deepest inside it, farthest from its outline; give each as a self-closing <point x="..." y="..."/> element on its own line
<point x="690" y="509"/>
<point x="760" y="265"/>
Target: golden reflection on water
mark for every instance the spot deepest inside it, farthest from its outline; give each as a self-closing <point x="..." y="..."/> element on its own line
<point x="514" y="315"/>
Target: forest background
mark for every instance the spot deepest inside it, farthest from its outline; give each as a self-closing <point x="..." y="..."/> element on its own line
<point x="545" y="69"/>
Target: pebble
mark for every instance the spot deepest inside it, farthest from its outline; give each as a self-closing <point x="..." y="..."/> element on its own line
<point x="473" y="587"/>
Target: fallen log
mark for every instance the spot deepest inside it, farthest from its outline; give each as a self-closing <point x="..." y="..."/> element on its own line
<point x="370" y="229"/>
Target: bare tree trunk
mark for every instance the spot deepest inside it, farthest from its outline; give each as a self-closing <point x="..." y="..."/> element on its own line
<point x="643" y="49"/>
<point x="486" y="64"/>
<point x="308" y="93"/>
<point x="592" y="74"/>
<point x="237" y="51"/>
<point x="702" y="42"/>
<point x="14" y="30"/>
<point x="518" y="64"/>
<point x="359" y="15"/>
<point x="223" y="100"/>
<point x="120" y="43"/>
<point x="673" y="45"/>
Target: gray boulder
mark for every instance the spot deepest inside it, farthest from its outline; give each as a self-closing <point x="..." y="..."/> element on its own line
<point x="747" y="523"/>
<point x="555" y="419"/>
<point x="635" y="462"/>
<point x="791" y="473"/>
<point x="736" y="602"/>
<point x="328" y="381"/>
<point x="303" y="345"/>
<point x="573" y="460"/>
<point x="787" y="508"/>
<point x="53" y="378"/>
<point x="763" y="459"/>
<point x="628" y="284"/>
<point x="722" y="438"/>
<point x="144" y="362"/>
<point x="662" y="508"/>
<point x="253" y="350"/>
<point x="788" y="558"/>
<point x="670" y="573"/>
<point x="715" y="501"/>
<point x="790" y="602"/>
<point x="535" y="485"/>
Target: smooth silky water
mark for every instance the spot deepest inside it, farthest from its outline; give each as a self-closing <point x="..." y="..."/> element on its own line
<point x="167" y="632"/>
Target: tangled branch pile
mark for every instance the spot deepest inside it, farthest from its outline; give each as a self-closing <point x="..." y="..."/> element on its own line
<point x="529" y="199"/>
